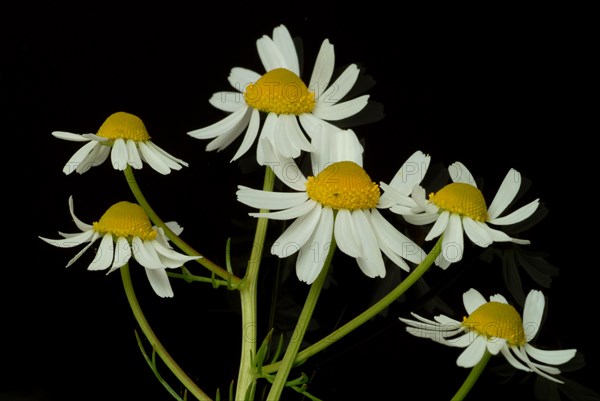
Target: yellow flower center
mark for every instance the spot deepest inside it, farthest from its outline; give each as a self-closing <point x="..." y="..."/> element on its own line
<point x="126" y="219"/>
<point x="343" y="185"/>
<point x="280" y="91"/>
<point x="496" y="319"/>
<point x="463" y="199"/>
<point x="125" y="126"/>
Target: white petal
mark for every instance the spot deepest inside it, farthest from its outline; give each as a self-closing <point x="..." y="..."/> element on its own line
<point x="284" y="42"/>
<point x="172" y="161"/>
<point x="296" y="235"/>
<point x="250" y="136"/>
<point x="513" y="360"/>
<point x="75" y="160"/>
<point x="282" y="140"/>
<point x="154" y="159"/>
<point x="496" y="235"/>
<point x="422" y="325"/>
<point x="339" y="111"/>
<point x="270" y="200"/>
<point x="291" y="213"/>
<point x="232" y="122"/>
<point x="228" y="101"/>
<point x="145" y="254"/>
<point x="518" y="215"/>
<point x="159" y="281"/>
<point x="312" y="123"/>
<point x="460" y="173"/>
<point x="133" y="156"/>
<point x="416" y="219"/>
<point x="240" y="78"/>
<point x="69" y="136"/>
<point x="285" y="168"/>
<point x="533" y="312"/>
<point x="441" y="262"/>
<point x="122" y="254"/>
<point x="439" y="227"/>
<point x="72" y="241"/>
<point x="340" y="88"/>
<point x="270" y="55"/>
<point x="81" y="252"/>
<point x="80" y="224"/>
<point x="551" y="357"/>
<point x="323" y="69"/>
<point x="411" y="173"/>
<point x="371" y="263"/>
<point x="105" y="254"/>
<point x="506" y="193"/>
<point x="453" y="242"/>
<point x="95" y="157"/>
<point x="476" y="231"/>
<point x="314" y="252"/>
<point x="118" y="154"/>
<point x="495" y="344"/>
<point x="472" y="354"/>
<point x="344" y="234"/>
<point x="395" y="240"/>
<point x="462" y="341"/>
<point x="545" y="371"/>
<point x="498" y="298"/>
<point x="174" y="226"/>
<point x="294" y="139"/>
<point x="472" y="299"/>
<point x="169" y="257"/>
<point x="334" y="145"/>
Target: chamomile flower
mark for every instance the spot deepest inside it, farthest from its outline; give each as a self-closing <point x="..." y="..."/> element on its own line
<point x="497" y="327"/>
<point x="460" y="206"/>
<point x="126" y="232"/>
<point x="124" y="137"/>
<point x="340" y="200"/>
<point x="286" y="102"/>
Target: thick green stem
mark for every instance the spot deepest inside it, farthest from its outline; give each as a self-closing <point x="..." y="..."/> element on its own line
<point x="368" y="314"/>
<point x="248" y="299"/>
<point x="303" y="321"/>
<point x="153" y="340"/>
<point x="472" y="378"/>
<point x="139" y="196"/>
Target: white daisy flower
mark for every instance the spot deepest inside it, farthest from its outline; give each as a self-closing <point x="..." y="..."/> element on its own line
<point x="125" y="138"/>
<point x="126" y="231"/>
<point x="287" y="103"/>
<point x="497" y="327"/>
<point x="460" y="206"/>
<point x="341" y="200"/>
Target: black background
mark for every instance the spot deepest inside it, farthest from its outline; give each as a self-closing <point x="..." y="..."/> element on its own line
<point x="494" y="89"/>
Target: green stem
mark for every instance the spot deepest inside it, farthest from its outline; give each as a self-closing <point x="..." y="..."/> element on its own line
<point x="248" y="294"/>
<point x="139" y="196"/>
<point x="303" y="321"/>
<point x="153" y="340"/>
<point x="472" y="378"/>
<point x="368" y="314"/>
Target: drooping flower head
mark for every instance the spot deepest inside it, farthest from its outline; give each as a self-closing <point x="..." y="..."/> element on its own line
<point x="340" y="199"/>
<point x="125" y="138"/>
<point x="495" y="326"/>
<point x="287" y="103"/>
<point x="460" y="206"/>
<point x="126" y="232"/>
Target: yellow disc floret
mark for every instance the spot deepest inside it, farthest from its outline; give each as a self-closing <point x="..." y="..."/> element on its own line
<point x="496" y="319"/>
<point x="126" y="219"/>
<point x="462" y="199"/>
<point x="343" y="185"/>
<point x="125" y="126"/>
<point x="280" y="91"/>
